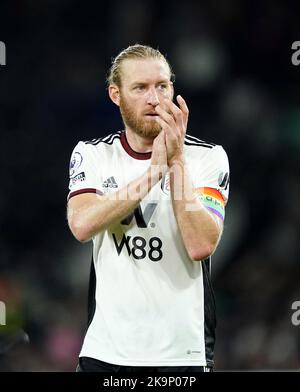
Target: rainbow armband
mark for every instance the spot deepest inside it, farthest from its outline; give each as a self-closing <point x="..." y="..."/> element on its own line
<point x="213" y="200"/>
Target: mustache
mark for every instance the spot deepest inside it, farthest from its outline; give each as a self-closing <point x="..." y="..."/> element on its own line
<point x="151" y="111"/>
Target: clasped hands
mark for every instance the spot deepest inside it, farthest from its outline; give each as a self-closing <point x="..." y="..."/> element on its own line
<point x="173" y="119"/>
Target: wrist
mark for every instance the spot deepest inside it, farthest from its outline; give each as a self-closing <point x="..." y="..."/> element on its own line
<point x="156" y="172"/>
<point x="176" y="161"/>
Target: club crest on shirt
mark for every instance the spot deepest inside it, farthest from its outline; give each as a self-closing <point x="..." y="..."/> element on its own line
<point x="165" y="184"/>
<point x="75" y="162"/>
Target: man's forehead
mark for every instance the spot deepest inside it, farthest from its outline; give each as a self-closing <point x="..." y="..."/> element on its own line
<point x="144" y="70"/>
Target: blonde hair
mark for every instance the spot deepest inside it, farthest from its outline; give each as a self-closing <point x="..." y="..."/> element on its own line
<point x="136" y="51"/>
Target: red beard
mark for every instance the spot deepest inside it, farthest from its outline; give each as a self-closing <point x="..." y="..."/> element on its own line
<point x="142" y="127"/>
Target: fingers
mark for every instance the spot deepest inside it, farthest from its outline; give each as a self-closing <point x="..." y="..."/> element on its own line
<point x="173" y="122"/>
<point x="182" y="104"/>
<point x="167" y="117"/>
<point x="173" y="114"/>
<point x="176" y="112"/>
<point x="163" y="123"/>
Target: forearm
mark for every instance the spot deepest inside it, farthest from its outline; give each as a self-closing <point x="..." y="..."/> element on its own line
<point x="199" y="228"/>
<point x="92" y="215"/>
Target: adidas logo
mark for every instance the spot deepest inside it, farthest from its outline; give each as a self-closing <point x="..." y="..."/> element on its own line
<point x="110" y="183"/>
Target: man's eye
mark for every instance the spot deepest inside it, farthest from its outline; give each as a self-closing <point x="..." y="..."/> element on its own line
<point x="139" y="88"/>
<point x="163" y="86"/>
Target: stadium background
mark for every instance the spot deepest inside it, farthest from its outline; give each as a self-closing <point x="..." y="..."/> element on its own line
<point x="233" y="65"/>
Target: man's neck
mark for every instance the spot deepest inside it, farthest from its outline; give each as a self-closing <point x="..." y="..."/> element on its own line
<point x="138" y="143"/>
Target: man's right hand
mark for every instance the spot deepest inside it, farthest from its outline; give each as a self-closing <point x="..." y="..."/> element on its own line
<point x="159" y="162"/>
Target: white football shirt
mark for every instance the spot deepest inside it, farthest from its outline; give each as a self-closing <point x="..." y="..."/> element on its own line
<point x="151" y="304"/>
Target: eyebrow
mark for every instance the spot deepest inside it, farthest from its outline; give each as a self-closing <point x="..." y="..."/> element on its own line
<point x="138" y="83"/>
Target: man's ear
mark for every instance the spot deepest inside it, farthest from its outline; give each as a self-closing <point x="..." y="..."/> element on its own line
<point x="114" y="93"/>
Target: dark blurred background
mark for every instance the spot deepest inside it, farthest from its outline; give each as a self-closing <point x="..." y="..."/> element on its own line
<point x="233" y="66"/>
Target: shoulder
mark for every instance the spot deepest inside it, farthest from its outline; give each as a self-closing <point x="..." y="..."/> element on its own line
<point x="96" y="148"/>
<point x="97" y="145"/>
<point x="196" y="142"/>
<point x="197" y="147"/>
<point x="105" y="140"/>
<point x="199" y="150"/>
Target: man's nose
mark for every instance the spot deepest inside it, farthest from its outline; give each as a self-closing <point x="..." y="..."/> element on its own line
<point x="152" y="98"/>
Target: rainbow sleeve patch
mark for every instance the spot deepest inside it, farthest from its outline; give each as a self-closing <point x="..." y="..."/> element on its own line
<point x="213" y="200"/>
